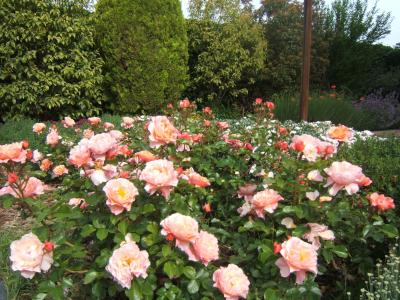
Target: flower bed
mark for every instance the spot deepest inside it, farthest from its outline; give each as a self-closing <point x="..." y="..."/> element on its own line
<point x="183" y="206"/>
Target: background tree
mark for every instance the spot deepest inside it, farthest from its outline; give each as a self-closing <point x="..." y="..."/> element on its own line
<point x="226" y="51"/>
<point x="49" y="66"/>
<point x="144" y="45"/>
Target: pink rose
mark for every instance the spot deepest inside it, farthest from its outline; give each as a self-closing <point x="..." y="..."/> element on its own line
<point x="381" y="202"/>
<point x="318" y="231"/>
<point x="116" y="134"/>
<point x="127" y="122"/>
<point x="195" y="178"/>
<point x="80" y="154"/>
<point x="299" y="257"/>
<point x="36" y="156"/>
<point x="343" y="175"/>
<point x="223" y="125"/>
<point x="38" y="127"/>
<point x="161" y="132"/>
<point x="99" y="144"/>
<point x="159" y="175"/>
<point x="144" y="156"/>
<point x="247" y="191"/>
<point x="108" y="126"/>
<point x="29" y="256"/>
<point x="232" y="282"/>
<point x="75" y="202"/>
<point x="120" y="194"/>
<point x="33" y="187"/>
<point x="183" y="228"/>
<point x="88" y="133"/>
<point x="102" y="174"/>
<point x="94" y="121"/>
<point x="204" y="248"/>
<point x="315" y="175"/>
<point x="68" y="122"/>
<point x="14" y="152"/>
<point x="185" y="103"/>
<point x="127" y="262"/>
<point x="59" y="170"/>
<point x="53" y="138"/>
<point x="266" y="200"/>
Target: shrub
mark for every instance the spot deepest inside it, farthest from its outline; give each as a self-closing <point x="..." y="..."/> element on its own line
<point x="49" y="65"/>
<point x="109" y="213"/>
<point x="144" y="46"/>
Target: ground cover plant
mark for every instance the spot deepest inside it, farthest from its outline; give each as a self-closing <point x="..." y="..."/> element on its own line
<point x="186" y="206"/>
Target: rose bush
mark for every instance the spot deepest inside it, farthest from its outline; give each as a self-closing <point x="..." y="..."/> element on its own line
<point x="184" y="206"/>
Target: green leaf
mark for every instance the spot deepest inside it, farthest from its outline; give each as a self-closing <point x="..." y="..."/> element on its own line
<point x="189" y="272"/>
<point x="389" y="230"/>
<point x="193" y="287"/>
<point x="270" y="294"/>
<point x="166" y="250"/>
<point x="40" y="296"/>
<point x="101" y="233"/>
<point x="89" y="277"/>
<point x="7" y="202"/>
<point x="170" y="269"/>
<point x="148" y="208"/>
<point x="152" y="227"/>
<point x="340" y="251"/>
<point x="123" y="227"/>
<point x="87" y="230"/>
<point x="134" y="293"/>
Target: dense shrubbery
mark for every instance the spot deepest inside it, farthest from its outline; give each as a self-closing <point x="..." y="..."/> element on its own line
<point x="102" y="187"/>
<point x="48" y="63"/>
<point x="144" y="45"/>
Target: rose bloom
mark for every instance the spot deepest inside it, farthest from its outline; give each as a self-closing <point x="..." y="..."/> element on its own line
<point x="247" y="191"/>
<point x="325" y="199"/>
<point x="195" y="178"/>
<point x="207" y="110"/>
<point x="144" y="156"/>
<point x="315" y="175"/>
<point x="318" y="231"/>
<point x="94" y="121"/>
<point x="183" y="228"/>
<point x="38" y="127"/>
<point x="102" y="174"/>
<point x="45" y="165"/>
<point x="161" y="132"/>
<point x="33" y="187"/>
<point x="88" y="133"/>
<point x="120" y="194"/>
<point x="108" y="126"/>
<point x="75" y="202"/>
<point x="340" y="133"/>
<point x="299" y="257"/>
<point x="343" y="175"/>
<point x="36" y="156"/>
<point x="13" y="152"/>
<point x="207" y="123"/>
<point x="127" y="262"/>
<point x="80" y="155"/>
<point x="259" y="101"/>
<point x="381" y="202"/>
<point x="270" y="105"/>
<point x="68" y="122"/>
<point x="232" y="282"/>
<point x="99" y="144"/>
<point x="185" y="103"/>
<point x="127" y="122"/>
<point x="159" y="175"/>
<point x="204" y="248"/>
<point x="266" y="200"/>
<point x="223" y="125"/>
<point x="60" y="170"/>
<point x="29" y="256"/>
<point x="52" y="137"/>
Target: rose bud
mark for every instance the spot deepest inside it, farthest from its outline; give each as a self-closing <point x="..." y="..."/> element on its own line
<point x="12" y="178"/>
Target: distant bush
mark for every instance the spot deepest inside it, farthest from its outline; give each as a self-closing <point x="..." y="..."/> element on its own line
<point x="48" y="63"/>
<point x="144" y="46"/>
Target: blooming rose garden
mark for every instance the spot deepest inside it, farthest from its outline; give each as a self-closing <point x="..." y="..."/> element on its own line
<point x="185" y="206"/>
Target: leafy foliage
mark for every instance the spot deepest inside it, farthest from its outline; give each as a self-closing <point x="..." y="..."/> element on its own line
<point x="49" y="65"/>
<point x="144" y="46"/>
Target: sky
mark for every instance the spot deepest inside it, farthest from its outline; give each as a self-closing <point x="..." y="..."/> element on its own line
<point x="392" y="6"/>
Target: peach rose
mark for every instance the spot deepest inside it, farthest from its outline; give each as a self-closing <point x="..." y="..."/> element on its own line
<point x="381" y="202"/>
<point x="80" y="154"/>
<point x="120" y="194"/>
<point x="13" y="152"/>
<point x="299" y="257"/>
<point x="52" y="137"/>
<point x="343" y="175"/>
<point x="88" y="133"/>
<point x="102" y="174"/>
<point x="108" y="126"/>
<point x="266" y="200"/>
<point x="204" y="248"/>
<point x="185" y="103"/>
<point x="183" y="228"/>
<point x="159" y="175"/>
<point x="75" y="202"/>
<point x="127" y="122"/>
<point x="127" y="262"/>
<point x="161" y="132"/>
<point x="116" y="134"/>
<point x="31" y="188"/>
<point x="247" y="191"/>
<point x="223" y="125"/>
<point x="99" y="144"/>
<point x="45" y="165"/>
<point x="340" y="133"/>
<point x="318" y="231"/>
<point x="94" y="121"/>
<point x="29" y="256"/>
<point x="59" y="170"/>
<point x="68" y="122"/>
<point x="38" y="127"/>
<point x="232" y="282"/>
<point x="195" y="178"/>
<point x="144" y="156"/>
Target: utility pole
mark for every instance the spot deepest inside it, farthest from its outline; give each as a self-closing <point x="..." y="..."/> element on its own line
<point x="305" y="74"/>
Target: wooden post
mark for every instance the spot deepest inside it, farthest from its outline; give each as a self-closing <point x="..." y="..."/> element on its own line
<point x="305" y="75"/>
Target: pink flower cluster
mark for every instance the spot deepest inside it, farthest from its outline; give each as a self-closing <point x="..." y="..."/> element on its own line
<point x="261" y="202"/>
<point x="311" y="147"/>
<point x="381" y="202"/>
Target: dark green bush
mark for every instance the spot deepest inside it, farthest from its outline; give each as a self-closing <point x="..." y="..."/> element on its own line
<point x="144" y="46"/>
<point x="48" y="64"/>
